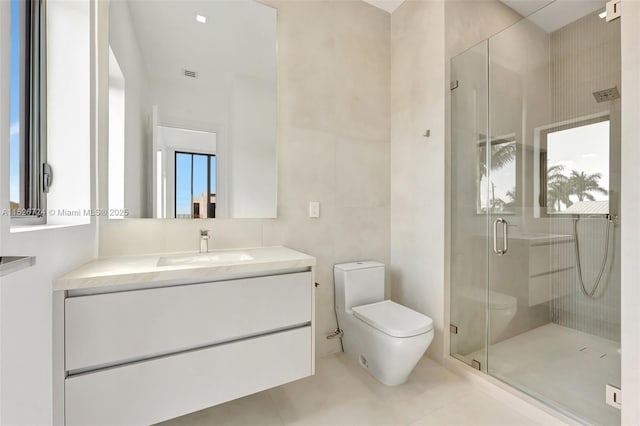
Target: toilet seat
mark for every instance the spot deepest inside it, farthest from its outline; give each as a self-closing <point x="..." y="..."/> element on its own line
<point x="393" y="319"/>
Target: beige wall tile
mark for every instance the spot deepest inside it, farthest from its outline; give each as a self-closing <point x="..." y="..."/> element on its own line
<point x="417" y="163"/>
<point x="470" y="21"/>
<point x="362" y="171"/>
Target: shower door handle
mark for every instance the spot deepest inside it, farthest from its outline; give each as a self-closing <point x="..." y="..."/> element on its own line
<point x="505" y="237"/>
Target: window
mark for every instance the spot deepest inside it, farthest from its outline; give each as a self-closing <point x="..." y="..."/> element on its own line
<point x="499" y="194"/>
<point x="195" y="186"/>
<point x="574" y="168"/>
<point x="30" y="176"/>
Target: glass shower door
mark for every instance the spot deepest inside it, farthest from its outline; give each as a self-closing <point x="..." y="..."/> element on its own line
<point x="535" y="188"/>
<point x="469" y="193"/>
<point x="553" y="179"/>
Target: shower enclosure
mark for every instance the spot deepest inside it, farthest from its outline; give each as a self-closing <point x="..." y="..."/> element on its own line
<point x="535" y="186"/>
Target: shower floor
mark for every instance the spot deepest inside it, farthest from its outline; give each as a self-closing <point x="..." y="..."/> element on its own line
<point x="562" y="366"/>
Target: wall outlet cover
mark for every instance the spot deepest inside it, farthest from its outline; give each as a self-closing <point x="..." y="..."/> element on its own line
<point x="614" y="396"/>
<point x="314" y="209"/>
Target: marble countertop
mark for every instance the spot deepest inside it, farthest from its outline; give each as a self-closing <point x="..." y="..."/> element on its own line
<point x="128" y="270"/>
<point x="9" y="264"/>
<point x="535" y="238"/>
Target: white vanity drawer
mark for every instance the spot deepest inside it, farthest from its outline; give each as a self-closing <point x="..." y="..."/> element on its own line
<point x="541" y="287"/>
<point x="550" y="257"/>
<point x="152" y="391"/>
<point x="118" y="327"/>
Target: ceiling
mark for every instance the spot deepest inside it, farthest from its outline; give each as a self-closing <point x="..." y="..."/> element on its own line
<point x="526" y="7"/>
<point x="557" y="14"/>
<point x="238" y="37"/>
<point x="388" y="5"/>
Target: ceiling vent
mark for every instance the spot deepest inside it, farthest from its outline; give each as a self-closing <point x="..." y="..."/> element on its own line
<point x="189" y="73"/>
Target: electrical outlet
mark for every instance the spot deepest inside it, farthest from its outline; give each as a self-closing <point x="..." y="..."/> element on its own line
<point x="614" y="396"/>
<point x="314" y="209"/>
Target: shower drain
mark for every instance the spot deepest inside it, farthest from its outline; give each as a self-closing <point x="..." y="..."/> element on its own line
<point x="586" y="350"/>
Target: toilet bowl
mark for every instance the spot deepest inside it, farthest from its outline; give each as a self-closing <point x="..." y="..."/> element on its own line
<point x="502" y="307"/>
<point x="384" y="337"/>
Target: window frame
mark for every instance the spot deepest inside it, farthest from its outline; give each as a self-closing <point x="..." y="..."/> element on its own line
<point x="33" y="165"/>
<point x="543" y="160"/>
<point x="211" y="207"/>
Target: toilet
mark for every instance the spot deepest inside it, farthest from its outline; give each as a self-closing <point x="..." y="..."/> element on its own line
<point x="384" y="337"/>
<point x="502" y="308"/>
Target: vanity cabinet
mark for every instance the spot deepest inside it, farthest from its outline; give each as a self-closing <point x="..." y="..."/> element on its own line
<point x="149" y="354"/>
<point x="118" y="327"/>
<point x="549" y="262"/>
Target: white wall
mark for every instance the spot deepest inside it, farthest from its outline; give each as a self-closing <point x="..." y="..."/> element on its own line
<point x="26" y="296"/>
<point x="137" y="112"/>
<point x="417" y="162"/>
<point x="630" y="212"/>
<point x="117" y="132"/>
<point x="468" y="22"/>
<point x="252" y="158"/>
<point x="68" y="117"/>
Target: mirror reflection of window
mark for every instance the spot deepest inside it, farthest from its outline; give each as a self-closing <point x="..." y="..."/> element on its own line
<point x="195" y="186"/>
<point x="203" y="86"/>
<point x="577" y="168"/>
<point x="499" y="194"/>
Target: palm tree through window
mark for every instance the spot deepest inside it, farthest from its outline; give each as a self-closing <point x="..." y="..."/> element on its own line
<point x="499" y="193"/>
<point x="576" y="169"/>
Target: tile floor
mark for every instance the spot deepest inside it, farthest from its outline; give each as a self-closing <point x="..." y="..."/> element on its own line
<point x="563" y="366"/>
<point x="342" y="393"/>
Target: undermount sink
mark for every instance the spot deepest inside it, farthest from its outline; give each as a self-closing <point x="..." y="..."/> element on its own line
<point x="204" y="258"/>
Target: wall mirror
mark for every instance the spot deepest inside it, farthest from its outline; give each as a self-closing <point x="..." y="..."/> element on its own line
<point x="192" y="109"/>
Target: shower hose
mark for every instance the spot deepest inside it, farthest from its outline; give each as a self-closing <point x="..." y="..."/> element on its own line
<point x="590" y="294"/>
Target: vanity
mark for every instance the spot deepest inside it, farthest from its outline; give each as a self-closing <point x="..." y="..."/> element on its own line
<point x="192" y="135"/>
<point x="142" y="339"/>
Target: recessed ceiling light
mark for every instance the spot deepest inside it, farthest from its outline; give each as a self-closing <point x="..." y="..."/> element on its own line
<point x="603" y="15"/>
<point x="201" y="19"/>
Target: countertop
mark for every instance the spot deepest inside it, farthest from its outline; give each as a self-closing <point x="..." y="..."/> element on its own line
<point x="9" y="264"/>
<point x="533" y="238"/>
<point x="128" y="270"/>
<point x="541" y="238"/>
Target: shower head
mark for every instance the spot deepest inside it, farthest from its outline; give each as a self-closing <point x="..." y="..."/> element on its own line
<point x="607" y="94"/>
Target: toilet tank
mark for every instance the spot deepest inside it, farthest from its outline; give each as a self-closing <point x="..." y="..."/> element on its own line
<point x="358" y="283"/>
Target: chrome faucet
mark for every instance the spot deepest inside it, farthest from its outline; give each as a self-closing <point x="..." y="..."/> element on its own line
<point x="204" y="241"/>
